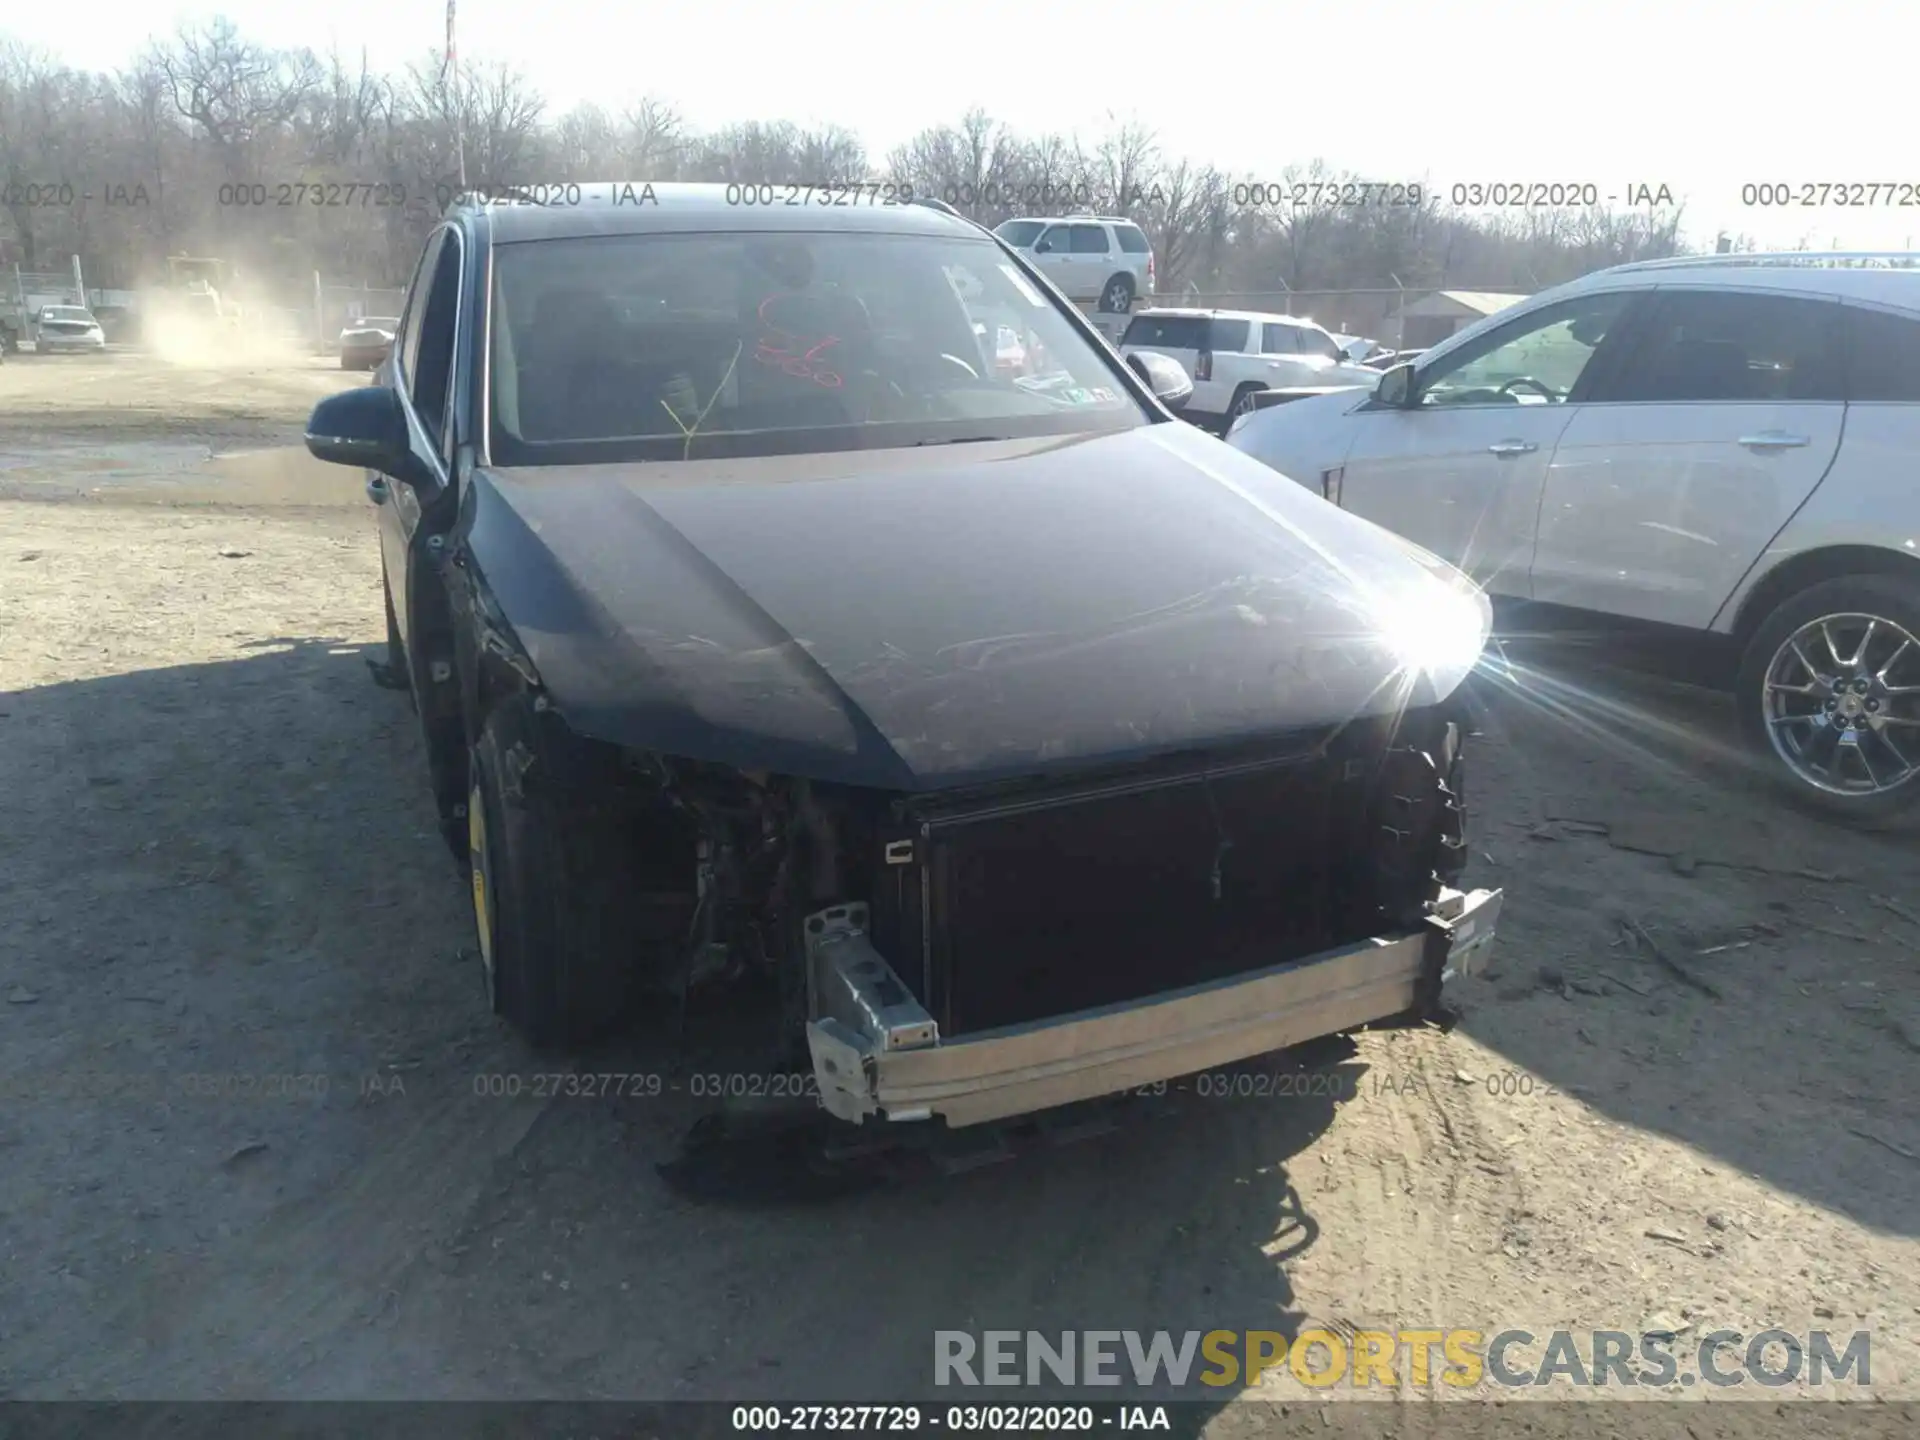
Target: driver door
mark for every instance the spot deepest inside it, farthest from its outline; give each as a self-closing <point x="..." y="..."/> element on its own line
<point x="1462" y="469"/>
<point x="1056" y="262"/>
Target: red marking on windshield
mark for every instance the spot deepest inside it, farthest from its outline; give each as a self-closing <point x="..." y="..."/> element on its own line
<point x="786" y="354"/>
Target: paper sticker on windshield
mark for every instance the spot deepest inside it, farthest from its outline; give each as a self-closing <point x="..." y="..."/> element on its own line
<point x="1034" y="297"/>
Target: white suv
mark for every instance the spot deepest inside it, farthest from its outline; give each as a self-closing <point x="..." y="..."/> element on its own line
<point x="1104" y="258"/>
<point x="1232" y="355"/>
<point x="1727" y="445"/>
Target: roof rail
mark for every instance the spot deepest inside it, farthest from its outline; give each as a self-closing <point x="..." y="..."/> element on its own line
<point x="1868" y="258"/>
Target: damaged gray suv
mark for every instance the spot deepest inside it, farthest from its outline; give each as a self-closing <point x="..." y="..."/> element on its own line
<point x="1007" y="741"/>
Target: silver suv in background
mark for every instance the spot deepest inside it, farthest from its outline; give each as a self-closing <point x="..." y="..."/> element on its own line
<point x="1103" y="258"/>
<point x="1722" y="447"/>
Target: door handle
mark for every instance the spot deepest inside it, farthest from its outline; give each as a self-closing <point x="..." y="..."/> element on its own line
<point x="377" y="490"/>
<point x="1774" y="440"/>
<point x="1512" y="447"/>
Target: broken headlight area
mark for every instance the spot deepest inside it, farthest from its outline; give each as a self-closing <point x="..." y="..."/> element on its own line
<point x="1035" y="945"/>
<point x="982" y="953"/>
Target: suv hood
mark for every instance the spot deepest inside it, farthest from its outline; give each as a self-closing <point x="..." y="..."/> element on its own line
<point x="912" y="619"/>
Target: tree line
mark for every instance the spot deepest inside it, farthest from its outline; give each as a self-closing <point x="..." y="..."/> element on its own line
<point x="210" y="143"/>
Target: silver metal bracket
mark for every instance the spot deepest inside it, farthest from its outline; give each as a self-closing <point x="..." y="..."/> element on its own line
<point x="1469" y="919"/>
<point x="857" y="1008"/>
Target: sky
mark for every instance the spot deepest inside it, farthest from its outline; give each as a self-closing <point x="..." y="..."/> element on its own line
<point x="1704" y="97"/>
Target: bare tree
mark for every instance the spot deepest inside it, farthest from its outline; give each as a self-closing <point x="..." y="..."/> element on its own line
<point x="238" y="93"/>
<point x="209" y="109"/>
<point x="653" y="142"/>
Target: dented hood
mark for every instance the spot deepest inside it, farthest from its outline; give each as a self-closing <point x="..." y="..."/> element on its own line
<point x="913" y="619"/>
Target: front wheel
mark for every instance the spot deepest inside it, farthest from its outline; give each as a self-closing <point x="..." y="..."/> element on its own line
<point x="560" y="946"/>
<point x="1243" y="403"/>
<point x="1829" y="695"/>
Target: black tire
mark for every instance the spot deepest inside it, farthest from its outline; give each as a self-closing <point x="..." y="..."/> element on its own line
<point x="1891" y="598"/>
<point x="551" y="885"/>
<point x="1241" y="403"/>
<point x="397" y="665"/>
<point x="1116" y="296"/>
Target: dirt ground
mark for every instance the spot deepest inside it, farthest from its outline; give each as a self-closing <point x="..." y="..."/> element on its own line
<point x="218" y="860"/>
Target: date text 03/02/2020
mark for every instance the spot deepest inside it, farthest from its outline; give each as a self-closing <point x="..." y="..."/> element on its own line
<point x="961" y="1419"/>
<point x="1557" y="194"/>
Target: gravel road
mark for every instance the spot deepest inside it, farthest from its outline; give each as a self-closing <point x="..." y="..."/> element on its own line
<point x="218" y="861"/>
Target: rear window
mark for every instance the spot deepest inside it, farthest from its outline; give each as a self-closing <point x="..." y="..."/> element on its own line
<point x="1883" y="357"/>
<point x="1132" y="239"/>
<point x="1167" y="332"/>
<point x="1089" y="240"/>
<point x="1020" y="233"/>
<point x="1231" y="336"/>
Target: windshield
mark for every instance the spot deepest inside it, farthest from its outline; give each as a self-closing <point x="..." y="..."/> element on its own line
<point x="1318" y="342"/>
<point x="697" y="346"/>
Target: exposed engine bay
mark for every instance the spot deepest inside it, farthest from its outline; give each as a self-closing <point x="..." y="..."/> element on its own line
<point x="902" y="923"/>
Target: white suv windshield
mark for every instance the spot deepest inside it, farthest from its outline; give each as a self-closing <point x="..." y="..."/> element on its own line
<point x="697" y="346"/>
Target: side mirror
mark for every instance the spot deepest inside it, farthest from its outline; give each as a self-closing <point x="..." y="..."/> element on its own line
<point x="1043" y="247"/>
<point x="1164" y="376"/>
<point x="1395" y="390"/>
<point x="366" y="427"/>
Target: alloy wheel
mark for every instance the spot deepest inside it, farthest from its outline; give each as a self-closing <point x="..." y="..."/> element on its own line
<point x="1842" y="704"/>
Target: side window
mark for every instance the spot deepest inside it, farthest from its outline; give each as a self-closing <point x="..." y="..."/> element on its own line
<point x="1133" y="240"/>
<point x="1089" y="240"/>
<point x="1277" y="339"/>
<point x="1729" y="345"/>
<point x="1535" y="360"/>
<point x="1057" y="240"/>
<point x="1319" y="343"/>
<point x="408" y="339"/>
<point x="1883" y="357"/>
<point x="1230" y="337"/>
<point x="433" y="365"/>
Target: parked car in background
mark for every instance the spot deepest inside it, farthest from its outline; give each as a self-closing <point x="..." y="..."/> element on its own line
<point x="67" y="327"/>
<point x="1233" y="353"/>
<point x="1103" y="258"/>
<point x="1723" y="447"/>
<point x="1021" y="671"/>
<point x="365" y="343"/>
